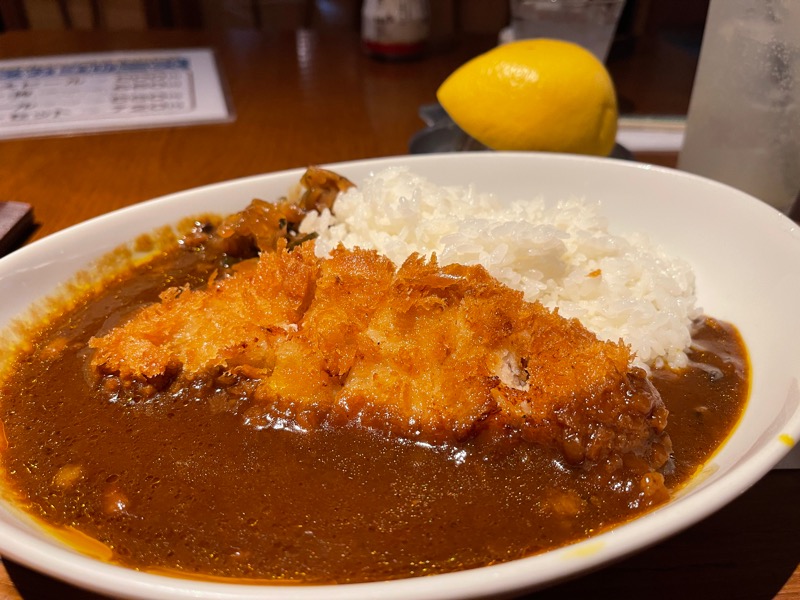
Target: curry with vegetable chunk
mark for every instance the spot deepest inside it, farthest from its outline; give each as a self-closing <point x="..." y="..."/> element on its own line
<point x="238" y="408"/>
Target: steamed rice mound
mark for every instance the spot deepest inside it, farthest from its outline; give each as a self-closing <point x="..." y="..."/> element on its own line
<point x="562" y="255"/>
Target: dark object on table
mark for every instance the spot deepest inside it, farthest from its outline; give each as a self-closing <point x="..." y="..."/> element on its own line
<point x="443" y="135"/>
<point x="16" y="223"/>
<point x="794" y="210"/>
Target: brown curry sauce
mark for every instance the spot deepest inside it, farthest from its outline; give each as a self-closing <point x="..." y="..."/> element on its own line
<point x="178" y="484"/>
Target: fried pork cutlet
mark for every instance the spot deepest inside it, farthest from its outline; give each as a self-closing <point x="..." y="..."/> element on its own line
<point x="428" y="353"/>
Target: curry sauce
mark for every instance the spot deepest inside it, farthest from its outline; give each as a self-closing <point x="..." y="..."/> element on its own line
<point x="176" y="483"/>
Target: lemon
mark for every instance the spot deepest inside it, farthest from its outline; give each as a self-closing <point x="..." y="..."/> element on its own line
<point x="540" y="94"/>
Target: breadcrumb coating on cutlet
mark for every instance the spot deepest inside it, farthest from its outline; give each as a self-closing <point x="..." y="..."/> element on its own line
<point x="429" y="353"/>
<point x="234" y="320"/>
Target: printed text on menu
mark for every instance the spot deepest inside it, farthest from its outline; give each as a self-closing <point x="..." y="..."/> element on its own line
<point x="95" y="89"/>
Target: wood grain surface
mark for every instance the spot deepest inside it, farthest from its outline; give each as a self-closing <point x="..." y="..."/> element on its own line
<point x="309" y="98"/>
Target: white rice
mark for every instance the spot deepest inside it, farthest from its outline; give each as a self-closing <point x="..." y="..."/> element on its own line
<point x="619" y="286"/>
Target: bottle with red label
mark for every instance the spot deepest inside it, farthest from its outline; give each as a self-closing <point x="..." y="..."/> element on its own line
<point x="395" y="29"/>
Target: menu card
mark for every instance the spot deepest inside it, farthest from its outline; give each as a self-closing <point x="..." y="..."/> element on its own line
<point x="77" y="93"/>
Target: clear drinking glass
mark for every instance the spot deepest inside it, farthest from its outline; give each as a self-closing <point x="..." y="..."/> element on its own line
<point x="743" y="127"/>
<point x="590" y="23"/>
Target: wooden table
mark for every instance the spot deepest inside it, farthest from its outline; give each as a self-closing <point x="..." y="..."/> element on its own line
<point x="304" y="98"/>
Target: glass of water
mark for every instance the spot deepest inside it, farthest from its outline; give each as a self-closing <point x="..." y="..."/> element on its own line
<point x="743" y="127"/>
<point x="589" y="23"/>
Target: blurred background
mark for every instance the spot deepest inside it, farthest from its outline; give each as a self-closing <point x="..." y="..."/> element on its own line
<point x="449" y="17"/>
<point x="661" y="31"/>
<point x="682" y="19"/>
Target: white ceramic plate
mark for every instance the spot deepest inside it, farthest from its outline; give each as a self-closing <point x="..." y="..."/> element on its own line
<point x="747" y="260"/>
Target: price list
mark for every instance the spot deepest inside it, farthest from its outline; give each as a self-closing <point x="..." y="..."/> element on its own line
<point x="94" y="92"/>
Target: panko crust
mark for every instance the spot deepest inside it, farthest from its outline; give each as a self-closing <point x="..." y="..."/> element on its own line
<point x="428" y="353"/>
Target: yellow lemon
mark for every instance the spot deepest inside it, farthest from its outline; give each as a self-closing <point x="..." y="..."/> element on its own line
<point x="541" y="94"/>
